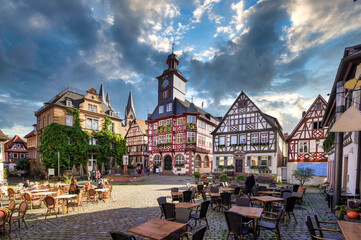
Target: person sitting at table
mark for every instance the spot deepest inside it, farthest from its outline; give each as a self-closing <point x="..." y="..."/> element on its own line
<point x="26" y="184"/>
<point x="100" y="184"/>
<point x="74" y="188"/>
<point x="106" y="184"/>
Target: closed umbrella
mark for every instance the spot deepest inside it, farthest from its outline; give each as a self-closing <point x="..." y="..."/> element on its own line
<point x="103" y="168"/>
<point x="81" y="170"/>
<point x="74" y="170"/>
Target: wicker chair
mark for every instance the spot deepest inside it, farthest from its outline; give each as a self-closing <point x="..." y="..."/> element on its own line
<point x="225" y="201"/>
<point x="197" y="234"/>
<point x="4" y="215"/>
<point x="160" y="201"/>
<point x="51" y="205"/>
<point x="202" y="215"/>
<point x="175" y="197"/>
<point x="273" y="225"/>
<point x="78" y="203"/>
<point x="92" y="196"/>
<point x="121" y="236"/>
<point x="236" y="225"/>
<point x="29" y="199"/>
<point x="23" y="208"/>
<point x="12" y="194"/>
<point x="169" y="211"/>
<point x="187" y="196"/>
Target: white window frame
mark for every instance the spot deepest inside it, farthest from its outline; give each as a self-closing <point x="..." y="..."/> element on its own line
<point x="69" y="120"/>
<point x="179" y="160"/>
<point x="243" y="139"/>
<point x="89" y="123"/>
<point x="169" y="107"/>
<point x="264" y="138"/>
<point x="168" y="122"/>
<point x="191" y="136"/>
<point x="222" y="140"/>
<point x="254" y="138"/>
<point x="95" y="108"/>
<point x="95" y="124"/>
<point x="169" y="138"/>
<point x="155" y="141"/>
<point x="191" y="119"/>
<point x="301" y="147"/>
<point x="90" y="107"/>
<point x="161" y="109"/>
<point x="179" y="138"/>
<point x="157" y="160"/>
<point x="264" y="160"/>
<point x="233" y="139"/>
<point x="179" y="121"/>
<point x="161" y="139"/>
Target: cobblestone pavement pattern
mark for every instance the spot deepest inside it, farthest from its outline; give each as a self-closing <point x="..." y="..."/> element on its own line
<point x="132" y="205"/>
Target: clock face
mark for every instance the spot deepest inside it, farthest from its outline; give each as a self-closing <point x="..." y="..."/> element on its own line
<point x="165" y="83"/>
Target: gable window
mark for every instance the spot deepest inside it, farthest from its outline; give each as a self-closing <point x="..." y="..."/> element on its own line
<point x="254" y="139"/>
<point x="303" y="147"/>
<point x="242" y="104"/>
<point x="243" y="139"/>
<point x="90" y="107"/>
<point x="221" y="140"/>
<point x="264" y="138"/>
<point x="316" y="125"/>
<point x="233" y="140"/>
<point x="169" y="107"/>
<point x="318" y="106"/>
<point x="180" y="121"/>
<point x="94" y="108"/>
<point x="179" y="138"/>
<point x="157" y="160"/>
<point x="191" y="137"/>
<point x="191" y="119"/>
<point x="179" y="160"/>
<point x="68" y="103"/>
<point x="69" y="120"/>
<point x="161" y="109"/>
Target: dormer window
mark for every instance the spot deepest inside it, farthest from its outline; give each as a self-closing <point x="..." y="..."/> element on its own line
<point x="68" y="103"/>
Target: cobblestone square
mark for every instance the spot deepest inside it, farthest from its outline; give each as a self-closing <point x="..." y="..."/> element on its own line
<point x="136" y="203"/>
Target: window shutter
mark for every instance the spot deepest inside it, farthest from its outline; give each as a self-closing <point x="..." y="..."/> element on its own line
<point x="269" y="161"/>
<point x="249" y="161"/>
<point x="259" y="161"/>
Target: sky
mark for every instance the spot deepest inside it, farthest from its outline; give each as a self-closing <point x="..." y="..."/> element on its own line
<point x="281" y="53"/>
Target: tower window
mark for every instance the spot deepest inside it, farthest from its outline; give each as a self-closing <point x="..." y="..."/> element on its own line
<point x="161" y="109"/>
<point x="169" y="107"/>
<point x="165" y="94"/>
<point x="68" y="103"/>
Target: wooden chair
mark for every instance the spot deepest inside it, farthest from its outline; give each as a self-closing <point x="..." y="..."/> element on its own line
<point x="23" y="208"/>
<point x="4" y="215"/>
<point x="29" y="199"/>
<point x="51" y="205"/>
<point x="92" y="196"/>
<point x="78" y="203"/>
<point x="318" y="222"/>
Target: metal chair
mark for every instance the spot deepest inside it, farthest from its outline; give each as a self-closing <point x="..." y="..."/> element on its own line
<point x="187" y="196"/>
<point x="182" y="215"/>
<point x="200" y="188"/>
<point x="318" y="222"/>
<point x="272" y="226"/>
<point x="160" y="201"/>
<point x="121" y="236"/>
<point x="204" y="196"/>
<point x="169" y="211"/>
<point x="295" y="187"/>
<point x="202" y="215"/>
<point x="312" y="231"/>
<point x="289" y="207"/>
<point x="29" y="199"/>
<point x="236" y="226"/>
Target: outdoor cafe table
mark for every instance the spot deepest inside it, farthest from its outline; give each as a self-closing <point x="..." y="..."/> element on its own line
<point x="227" y="189"/>
<point x="267" y="200"/>
<point x="343" y="196"/>
<point x="42" y="193"/>
<point x="66" y="197"/>
<point x="251" y="212"/>
<point x="179" y="194"/>
<point x="272" y="188"/>
<point x="39" y="190"/>
<point x="100" y="192"/>
<point x="157" y="229"/>
<point x="186" y="205"/>
<point x="269" y="192"/>
<point x="350" y="230"/>
<point x="215" y="195"/>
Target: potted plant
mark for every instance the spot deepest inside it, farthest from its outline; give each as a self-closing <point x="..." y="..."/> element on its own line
<point x="303" y="175"/>
<point x="340" y="211"/>
<point x="197" y="176"/>
<point x="223" y="177"/>
<point x="241" y="177"/>
<point x="220" y="168"/>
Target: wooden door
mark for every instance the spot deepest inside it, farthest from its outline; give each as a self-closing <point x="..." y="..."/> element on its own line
<point x="239" y="165"/>
<point x="168" y="163"/>
<point x="345" y="174"/>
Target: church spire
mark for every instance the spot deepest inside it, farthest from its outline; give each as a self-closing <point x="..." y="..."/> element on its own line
<point x="172" y="60"/>
<point x="129" y="110"/>
<point x="108" y="99"/>
<point x="101" y="93"/>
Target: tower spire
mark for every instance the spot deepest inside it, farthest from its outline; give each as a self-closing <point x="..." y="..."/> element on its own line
<point x="101" y="93"/>
<point x="129" y="110"/>
<point x="108" y="99"/>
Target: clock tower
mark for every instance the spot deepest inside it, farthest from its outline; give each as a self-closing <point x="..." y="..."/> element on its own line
<point x="171" y="84"/>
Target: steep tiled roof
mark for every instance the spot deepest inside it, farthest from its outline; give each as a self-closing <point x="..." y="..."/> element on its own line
<point x="3" y="137"/>
<point x="30" y="134"/>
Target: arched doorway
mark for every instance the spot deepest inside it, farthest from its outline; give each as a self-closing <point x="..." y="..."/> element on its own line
<point x="168" y="163"/>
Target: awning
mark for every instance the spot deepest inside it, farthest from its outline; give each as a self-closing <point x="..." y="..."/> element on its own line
<point x="350" y="121"/>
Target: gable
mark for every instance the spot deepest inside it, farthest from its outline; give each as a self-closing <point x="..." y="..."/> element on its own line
<point x="244" y="115"/>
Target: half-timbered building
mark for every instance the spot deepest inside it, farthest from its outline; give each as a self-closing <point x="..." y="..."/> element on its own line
<point x="15" y="149"/>
<point x="179" y="140"/>
<point x="305" y="143"/>
<point x="249" y="140"/>
<point x="3" y="139"/>
<point x="136" y="137"/>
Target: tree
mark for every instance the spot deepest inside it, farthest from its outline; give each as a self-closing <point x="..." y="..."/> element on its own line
<point x="303" y="175"/>
<point x="23" y="164"/>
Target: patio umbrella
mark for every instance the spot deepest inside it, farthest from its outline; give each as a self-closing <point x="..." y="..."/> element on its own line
<point x="103" y="168"/>
<point x="81" y="170"/>
<point x="74" y="170"/>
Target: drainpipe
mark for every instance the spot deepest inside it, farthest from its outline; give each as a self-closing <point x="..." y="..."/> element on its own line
<point x="340" y="108"/>
<point x="358" y="178"/>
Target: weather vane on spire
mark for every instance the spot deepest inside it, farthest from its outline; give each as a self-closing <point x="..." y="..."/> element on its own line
<point x="173" y="47"/>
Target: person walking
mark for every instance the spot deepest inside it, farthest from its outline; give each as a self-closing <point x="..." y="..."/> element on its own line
<point x="98" y="176"/>
<point x="249" y="183"/>
<point x="94" y="176"/>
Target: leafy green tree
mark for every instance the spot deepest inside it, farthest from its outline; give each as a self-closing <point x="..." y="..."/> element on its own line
<point x="303" y="175"/>
<point x="23" y="164"/>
